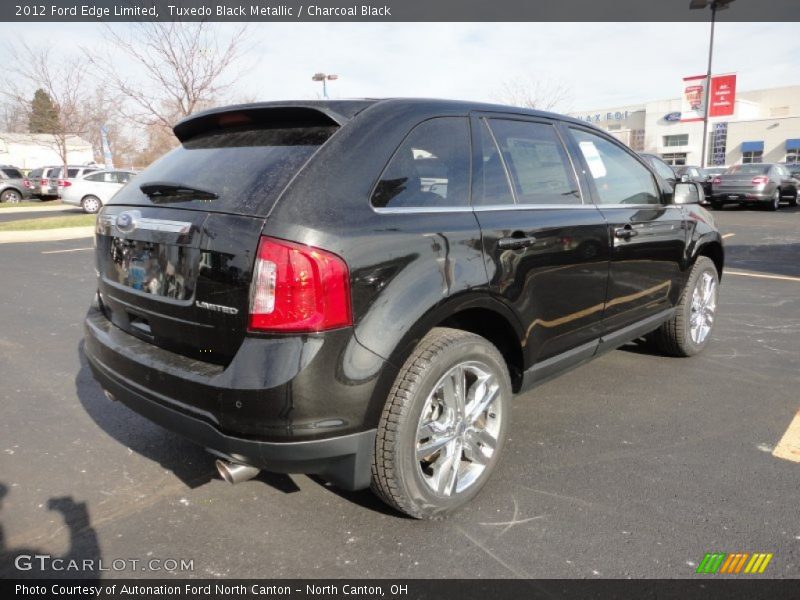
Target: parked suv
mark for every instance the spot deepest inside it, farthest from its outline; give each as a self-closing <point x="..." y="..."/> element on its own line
<point x="12" y="185"/>
<point x="53" y="180"/>
<point x="356" y="289"/>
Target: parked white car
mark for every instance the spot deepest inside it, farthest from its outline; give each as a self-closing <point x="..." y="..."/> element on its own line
<point x="92" y="191"/>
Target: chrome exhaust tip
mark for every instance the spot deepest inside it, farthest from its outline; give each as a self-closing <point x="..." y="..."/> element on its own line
<point x="235" y="472"/>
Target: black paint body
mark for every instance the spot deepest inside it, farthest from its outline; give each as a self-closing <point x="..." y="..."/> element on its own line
<point x="311" y="403"/>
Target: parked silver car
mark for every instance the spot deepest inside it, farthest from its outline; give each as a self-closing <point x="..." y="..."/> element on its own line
<point x="750" y="184"/>
<point x="12" y="185"/>
<point x="93" y="190"/>
<point x="60" y="178"/>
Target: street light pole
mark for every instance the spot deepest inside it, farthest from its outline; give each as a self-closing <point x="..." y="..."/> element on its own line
<point x="324" y="78"/>
<point x="708" y="85"/>
<point x="715" y="5"/>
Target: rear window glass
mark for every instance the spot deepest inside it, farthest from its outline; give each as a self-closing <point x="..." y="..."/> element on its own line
<point x="748" y="170"/>
<point x="243" y="167"/>
<point x="12" y="173"/>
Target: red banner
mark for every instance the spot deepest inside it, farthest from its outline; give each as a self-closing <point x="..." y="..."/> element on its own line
<point x="722" y="96"/>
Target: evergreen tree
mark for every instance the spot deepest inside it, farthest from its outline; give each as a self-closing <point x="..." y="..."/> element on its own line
<point x="44" y="114"/>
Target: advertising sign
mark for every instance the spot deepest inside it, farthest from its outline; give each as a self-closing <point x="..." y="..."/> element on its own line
<point x="723" y="96"/>
<point x="693" y="99"/>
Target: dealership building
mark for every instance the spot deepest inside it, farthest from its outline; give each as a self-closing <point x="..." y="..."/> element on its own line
<point x="764" y="127"/>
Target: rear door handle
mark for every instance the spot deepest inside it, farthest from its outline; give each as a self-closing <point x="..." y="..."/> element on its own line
<point x="516" y="242"/>
<point x="625" y="233"/>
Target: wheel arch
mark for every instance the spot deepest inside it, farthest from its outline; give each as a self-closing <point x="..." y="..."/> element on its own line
<point x="713" y="250"/>
<point x="477" y="313"/>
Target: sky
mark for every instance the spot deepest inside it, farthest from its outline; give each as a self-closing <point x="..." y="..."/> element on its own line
<point x="601" y="65"/>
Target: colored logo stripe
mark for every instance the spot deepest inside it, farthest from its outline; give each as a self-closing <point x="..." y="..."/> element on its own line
<point x="758" y="563"/>
<point x="721" y="562"/>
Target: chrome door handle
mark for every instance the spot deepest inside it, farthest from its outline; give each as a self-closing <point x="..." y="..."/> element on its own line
<point x="516" y="243"/>
<point x="625" y="233"/>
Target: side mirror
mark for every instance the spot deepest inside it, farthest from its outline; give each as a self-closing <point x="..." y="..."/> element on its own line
<point x="684" y="177"/>
<point x="688" y="192"/>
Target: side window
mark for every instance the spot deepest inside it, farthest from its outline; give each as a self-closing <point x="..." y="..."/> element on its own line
<point x="618" y="176"/>
<point x="96" y="177"/>
<point x="72" y="173"/>
<point x="662" y="169"/>
<point x="492" y="186"/>
<point x="540" y="169"/>
<point x="429" y="169"/>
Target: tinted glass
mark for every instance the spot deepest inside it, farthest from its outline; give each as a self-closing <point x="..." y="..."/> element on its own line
<point x="96" y="177"/>
<point x="492" y="187"/>
<point x="618" y="177"/>
<point x="72" y="173"/>
<point x="537" y="162"/>
<point x="749" y="169"/>
<point x="245" y="167"/>
<point x="661" y="168"/>
<point x="429" y="169"/>
<point x="35" y="173"/>
<point x="12" y="173"/>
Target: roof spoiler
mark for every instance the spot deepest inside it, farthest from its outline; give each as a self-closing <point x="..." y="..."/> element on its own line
<point x="296" y="115"/>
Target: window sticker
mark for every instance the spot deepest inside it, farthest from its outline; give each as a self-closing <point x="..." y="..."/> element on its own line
<point x="592" y="156"/>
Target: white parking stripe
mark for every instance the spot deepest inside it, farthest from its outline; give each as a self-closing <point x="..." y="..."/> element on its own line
<point x="67" y="250"/>
<point x="762" y="276"/>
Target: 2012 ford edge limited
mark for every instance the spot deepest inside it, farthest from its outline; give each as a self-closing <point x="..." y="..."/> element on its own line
<point x="356" y="289"/>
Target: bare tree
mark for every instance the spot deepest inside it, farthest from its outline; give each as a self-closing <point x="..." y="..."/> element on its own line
<point x="537" y="94"/>
<point x="63" y="79"/>
<point x="179" y="68"/>
<point x="13" y="116"/>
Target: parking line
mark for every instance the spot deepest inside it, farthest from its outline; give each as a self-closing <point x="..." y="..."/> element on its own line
<point x="762" y="276"/>
<point x="789" y="446"/>
<point x="67" y="250"/>
<point x="728" y="235"/>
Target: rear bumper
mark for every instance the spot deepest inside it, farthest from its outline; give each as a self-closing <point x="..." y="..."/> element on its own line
<point x="744" y="195"/>
<point x="272" y="428"/>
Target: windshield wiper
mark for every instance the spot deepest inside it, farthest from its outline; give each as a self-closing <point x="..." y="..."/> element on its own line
<point x="156" y="190"/>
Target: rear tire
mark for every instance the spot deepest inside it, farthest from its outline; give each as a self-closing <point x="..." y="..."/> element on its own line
<point x="775" y="202"/>
<point x="689" y="330"/>
<point x="91" y="204"/>
<point x="434" y="452"/>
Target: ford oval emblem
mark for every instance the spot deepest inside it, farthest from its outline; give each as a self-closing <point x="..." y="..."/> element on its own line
<point x="673" y="116"/>
<point x="126" y="222"/>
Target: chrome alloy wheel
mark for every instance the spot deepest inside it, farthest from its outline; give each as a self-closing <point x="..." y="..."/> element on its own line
<point x="704" y="307"/>
<point x="458" y="428"/>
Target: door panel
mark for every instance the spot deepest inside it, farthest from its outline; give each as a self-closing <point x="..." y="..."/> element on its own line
<point x="648" y="237"/>
<point x="548" y="258"/>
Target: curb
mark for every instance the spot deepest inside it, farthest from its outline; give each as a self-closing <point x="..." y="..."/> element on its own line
<point x="37" y="209"/>
<point x="46" y="235"/>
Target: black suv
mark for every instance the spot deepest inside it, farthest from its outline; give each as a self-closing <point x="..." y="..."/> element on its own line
<point x="356" y="289"/>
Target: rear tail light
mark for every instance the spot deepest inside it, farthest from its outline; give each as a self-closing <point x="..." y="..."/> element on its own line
<point x="760" y="180"/>
<point x="716" y="180"/>
<point x="298" y="288"/>
<point x="43" y="182"/>
<point x="26" y="183"/>
<point x="64" y="183"/>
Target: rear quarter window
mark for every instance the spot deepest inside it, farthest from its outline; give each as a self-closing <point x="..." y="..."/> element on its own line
<point x="12" y="173"/>
<point x="246" y="168"/>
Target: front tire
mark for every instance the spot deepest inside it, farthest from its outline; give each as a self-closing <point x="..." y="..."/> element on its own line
<point x="91" y="204"/>
<point x="443" y="426"/>
<point x="689" y="330"/>
<point x="11" y="196"/>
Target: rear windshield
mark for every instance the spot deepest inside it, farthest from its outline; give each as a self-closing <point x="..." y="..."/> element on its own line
<point x="12" y="173"/>
<point x="245" y="168"/>
<point x="753" y="169"/>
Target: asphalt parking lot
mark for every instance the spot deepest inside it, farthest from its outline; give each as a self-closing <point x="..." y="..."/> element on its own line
<point x="634" y="465"/>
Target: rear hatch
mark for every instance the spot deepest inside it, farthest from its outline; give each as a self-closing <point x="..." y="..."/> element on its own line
<point x="175" y="263"/>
